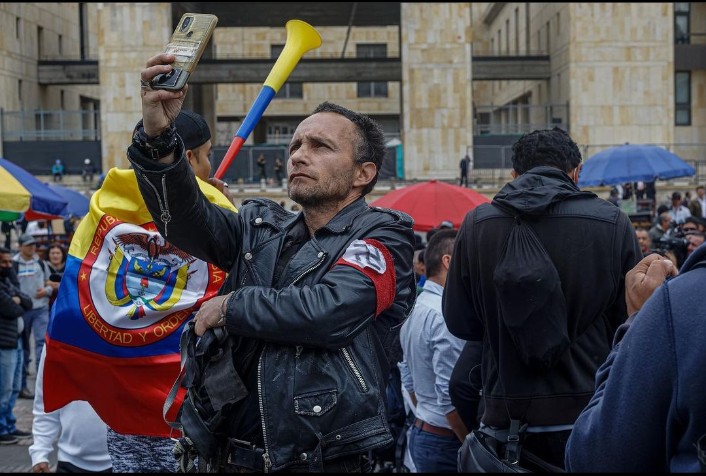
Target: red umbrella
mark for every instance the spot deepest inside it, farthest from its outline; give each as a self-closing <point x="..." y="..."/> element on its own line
<point x="432" y="202"/>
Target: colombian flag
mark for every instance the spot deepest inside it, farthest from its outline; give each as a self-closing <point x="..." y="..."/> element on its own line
<point x="126" y="295"/>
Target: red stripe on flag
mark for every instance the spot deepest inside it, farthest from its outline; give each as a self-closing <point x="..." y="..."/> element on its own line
<point x="126" y="393"/>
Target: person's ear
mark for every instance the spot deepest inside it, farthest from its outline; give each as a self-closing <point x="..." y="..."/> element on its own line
<point x="575" y="173"/>
<point x="190" y="156"/>
<point x="366" y="173"/>
<point x="514" y="174"/>
<point x="446" y="261"/>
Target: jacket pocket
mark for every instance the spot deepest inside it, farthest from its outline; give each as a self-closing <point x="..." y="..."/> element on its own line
<point x="315" y="403"/>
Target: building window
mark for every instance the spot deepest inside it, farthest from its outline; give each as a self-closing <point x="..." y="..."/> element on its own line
<point x="372" y="89"/>
<point x="289" y="90"/>
<point x="61" y="45"/>
<point x="19" y="90"/>
<point x="62" y="99"/>
<point x="17" y="27"/>
<point x="517" y="31"/>
<point x="682" y="98"/>
<point x="681" y="23"/>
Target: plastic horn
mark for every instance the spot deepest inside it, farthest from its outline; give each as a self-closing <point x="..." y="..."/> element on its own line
<point x="301" y="37"/>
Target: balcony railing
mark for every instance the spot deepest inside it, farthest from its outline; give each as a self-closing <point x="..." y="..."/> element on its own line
<point x="50" y="125"/>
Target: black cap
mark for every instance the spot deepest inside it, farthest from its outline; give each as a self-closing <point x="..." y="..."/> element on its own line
<point x="192" y="128"/>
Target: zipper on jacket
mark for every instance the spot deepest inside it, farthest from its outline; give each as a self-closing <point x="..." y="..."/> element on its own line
<point x="164" y="216"/>
<point x="310" y="269"/>
<point x="358" y="375"/>
<point x="265" y="455"/>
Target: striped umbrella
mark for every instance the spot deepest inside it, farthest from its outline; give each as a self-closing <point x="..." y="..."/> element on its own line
<point x="21" y="192"/>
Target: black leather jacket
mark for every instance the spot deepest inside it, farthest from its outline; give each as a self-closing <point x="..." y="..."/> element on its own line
<point x="10" y="311"/>
<point x="322" y="372"/>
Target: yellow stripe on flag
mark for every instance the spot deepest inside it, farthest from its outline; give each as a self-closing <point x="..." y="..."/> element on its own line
<point x="120" y="197"/>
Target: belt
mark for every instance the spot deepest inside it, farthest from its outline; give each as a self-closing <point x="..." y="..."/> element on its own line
<point x="436" y="430"/>
<point x="243" y="454"/>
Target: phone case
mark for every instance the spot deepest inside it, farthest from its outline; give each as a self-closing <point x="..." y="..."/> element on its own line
<point x="187" y="43"/>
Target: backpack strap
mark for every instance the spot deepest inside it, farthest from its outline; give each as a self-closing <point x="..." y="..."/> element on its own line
<point x="171" y="396"/>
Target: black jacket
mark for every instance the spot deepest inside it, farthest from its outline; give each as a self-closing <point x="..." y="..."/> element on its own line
<point x="322" y="371"/>
<point x="10" y="311"/>
<point x="592" y="244"/>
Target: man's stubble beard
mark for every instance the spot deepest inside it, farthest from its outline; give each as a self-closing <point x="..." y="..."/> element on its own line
<point x="318" y="196"/>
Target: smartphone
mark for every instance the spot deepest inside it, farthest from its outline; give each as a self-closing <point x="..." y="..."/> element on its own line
<point x="188" y="42"/>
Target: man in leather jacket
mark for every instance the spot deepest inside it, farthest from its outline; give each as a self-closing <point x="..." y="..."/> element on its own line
<point x="315" y="298"/>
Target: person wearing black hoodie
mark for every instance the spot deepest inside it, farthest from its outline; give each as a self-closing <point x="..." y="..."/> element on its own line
<point x="13" y="303"/>
<point x="592" y="245"/>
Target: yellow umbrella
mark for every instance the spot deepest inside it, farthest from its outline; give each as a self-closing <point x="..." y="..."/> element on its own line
<point x="13" y="196"/>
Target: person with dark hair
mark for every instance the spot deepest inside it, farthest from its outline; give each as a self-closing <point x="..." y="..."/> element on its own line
<point x="56" y="262"/>
<point x="587" y="239"/>
<point x="312" y="301"/>
<point x="261" y="165"/>
<point x="420" y="272"/>
<point x="13" y="303"/>
<point x="464" y="165"/>
<point x="430" y="353"/>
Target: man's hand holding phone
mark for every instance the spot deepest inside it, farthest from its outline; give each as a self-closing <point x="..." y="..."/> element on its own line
<point x="160" y="107"/>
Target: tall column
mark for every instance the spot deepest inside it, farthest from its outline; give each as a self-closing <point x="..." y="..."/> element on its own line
<point x="621" y="73"/>
<point x="128" y="34"/>
<point x="436" y="87"/>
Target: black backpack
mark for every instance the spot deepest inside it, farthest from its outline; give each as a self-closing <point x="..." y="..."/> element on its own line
<point x="530" y="298"/>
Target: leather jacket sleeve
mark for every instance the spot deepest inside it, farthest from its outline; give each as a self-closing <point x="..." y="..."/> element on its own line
<point x="175" y="202"/>
<point x="330" y="312"/>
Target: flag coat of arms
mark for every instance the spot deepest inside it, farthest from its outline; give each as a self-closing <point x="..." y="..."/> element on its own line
<point x="124" y="299"/>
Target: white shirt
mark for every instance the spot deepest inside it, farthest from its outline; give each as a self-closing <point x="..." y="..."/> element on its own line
<point x="82" y="435"/>
<point x="680" y="214"/>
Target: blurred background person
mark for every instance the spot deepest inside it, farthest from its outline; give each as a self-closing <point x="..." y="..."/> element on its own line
<point x="56" y="261"/>
<point x="13" y="303"/>
<point x="33" y="276"/>
<point x="57" y="170"/>
<point x="643" y="237"/>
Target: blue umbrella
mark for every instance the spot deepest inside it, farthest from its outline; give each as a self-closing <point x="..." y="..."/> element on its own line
<point x="632" y="163"/>
<point x="78" y="203"/>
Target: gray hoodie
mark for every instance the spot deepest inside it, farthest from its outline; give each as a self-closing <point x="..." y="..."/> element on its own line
<point x="33" y="274"/>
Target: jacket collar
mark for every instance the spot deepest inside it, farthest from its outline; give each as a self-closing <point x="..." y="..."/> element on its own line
<point x="344" y="219"/>
<point x="278" y="217"/>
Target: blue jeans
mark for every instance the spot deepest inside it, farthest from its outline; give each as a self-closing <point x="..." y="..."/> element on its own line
<point x="433" y="453"/>
<point x="10" y="384"/>
<point x="36" y="322"/>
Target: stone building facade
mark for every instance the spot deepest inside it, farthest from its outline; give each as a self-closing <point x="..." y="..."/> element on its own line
<point x="613" y="74"/>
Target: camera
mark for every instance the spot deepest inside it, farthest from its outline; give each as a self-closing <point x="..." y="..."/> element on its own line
<point x="185" y="24"/>
<point x="675" y="243"/>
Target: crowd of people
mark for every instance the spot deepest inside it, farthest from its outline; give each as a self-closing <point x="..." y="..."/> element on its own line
<point x="340" y="307"/>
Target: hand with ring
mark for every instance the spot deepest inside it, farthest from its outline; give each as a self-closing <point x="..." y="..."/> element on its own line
<point x="159" y="107"/>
